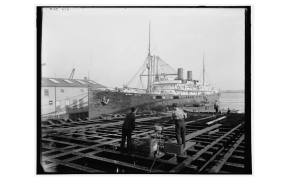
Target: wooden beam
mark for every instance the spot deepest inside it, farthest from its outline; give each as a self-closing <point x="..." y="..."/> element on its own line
<point x="221" y="162"/>
<point x="202" y="131"/>
<point x="210" y="160"/>
<point x="198" y="154"/>
<point x="92" y="125"/>
<point x="134" y="166"/>
<point x="210" y="122"/>
<point x="236" y="165"/>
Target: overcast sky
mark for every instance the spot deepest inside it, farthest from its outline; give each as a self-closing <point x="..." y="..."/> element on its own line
<point x="111" y="44"/>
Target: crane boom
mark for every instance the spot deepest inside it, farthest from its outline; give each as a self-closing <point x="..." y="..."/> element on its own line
<point x="72" y="74"/>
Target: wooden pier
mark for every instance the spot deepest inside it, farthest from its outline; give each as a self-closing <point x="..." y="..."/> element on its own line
<point x="92" y="146"/>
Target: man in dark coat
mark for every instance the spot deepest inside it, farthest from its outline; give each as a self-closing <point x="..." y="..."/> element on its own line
<point x="127" y="128"/>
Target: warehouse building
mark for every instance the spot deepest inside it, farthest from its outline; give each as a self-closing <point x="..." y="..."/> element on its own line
<point x="65" y="98"/>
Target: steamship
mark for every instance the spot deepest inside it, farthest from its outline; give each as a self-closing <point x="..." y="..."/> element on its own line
<point x="165" y="86"/>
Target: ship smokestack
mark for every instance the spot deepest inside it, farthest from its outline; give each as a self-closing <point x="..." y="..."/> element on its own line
<point x="189" y="75"/>
<point x="180" y="73"/>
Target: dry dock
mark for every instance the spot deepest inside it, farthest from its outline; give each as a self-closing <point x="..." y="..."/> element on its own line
<point x="92" y="146"/>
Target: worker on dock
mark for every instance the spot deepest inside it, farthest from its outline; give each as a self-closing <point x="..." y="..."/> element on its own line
<point x="216" y="106"/>
<point x="179" y="116"/>
<point x="228" y="112"/>
<point x="127" y="128"/>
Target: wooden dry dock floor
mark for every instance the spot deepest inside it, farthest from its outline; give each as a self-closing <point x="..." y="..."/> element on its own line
<point x="92" y="146"/>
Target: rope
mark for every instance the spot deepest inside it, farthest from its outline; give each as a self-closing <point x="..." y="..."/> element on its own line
<point x="121" y="64"/>
<point x="153" y="49"/>
<point x="155" y="42"/>
<point x="110" y="65"/>
<point x="167" y="65"/>
<point x="208" y="77"/>
<point x="137" y="72"/>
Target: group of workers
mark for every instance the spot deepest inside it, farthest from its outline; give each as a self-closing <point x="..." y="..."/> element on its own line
<point x="129" y="125"/>
<point x="178" y="116"/>
<point x="216" y="107"/>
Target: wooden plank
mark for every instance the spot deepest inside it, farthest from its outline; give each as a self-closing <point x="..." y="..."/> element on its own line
<point x="235" y="165"/>
<point x="237" y="157"/>
<point x="214" y="131"/>
<point x="199" y="132"/>
<point x="202" y="131"/>
<point x="210" y="122"/>
<point x="188" y="145"/>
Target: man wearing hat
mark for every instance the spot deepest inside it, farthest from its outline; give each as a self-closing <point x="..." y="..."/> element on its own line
<point x="127" y="128"/>
<point x="179" y="116"/>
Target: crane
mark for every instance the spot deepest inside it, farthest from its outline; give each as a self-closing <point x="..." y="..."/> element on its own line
<point x="72" y="74"/>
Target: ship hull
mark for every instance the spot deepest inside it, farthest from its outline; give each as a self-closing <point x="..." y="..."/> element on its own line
<point x="106" y="102"/>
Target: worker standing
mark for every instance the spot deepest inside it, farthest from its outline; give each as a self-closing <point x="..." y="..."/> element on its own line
<point x="228" y="112"/>
<point x="179" y="116"/>
<point x="216" y="106"/>
<point x="127" y="128"/>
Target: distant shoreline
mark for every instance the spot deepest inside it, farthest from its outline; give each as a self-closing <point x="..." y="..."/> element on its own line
<point x="228" y="91"/>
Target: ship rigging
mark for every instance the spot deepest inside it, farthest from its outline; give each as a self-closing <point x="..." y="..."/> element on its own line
<point x="163" y="79"/>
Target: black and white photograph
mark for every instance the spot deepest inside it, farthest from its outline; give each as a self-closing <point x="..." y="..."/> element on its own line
<point x="144" y="90"/>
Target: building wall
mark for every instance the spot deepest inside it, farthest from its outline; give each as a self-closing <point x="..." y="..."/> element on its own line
<point x="72" y="94"/>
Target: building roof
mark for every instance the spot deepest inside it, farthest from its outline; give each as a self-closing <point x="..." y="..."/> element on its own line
<point x="64" y="82"/>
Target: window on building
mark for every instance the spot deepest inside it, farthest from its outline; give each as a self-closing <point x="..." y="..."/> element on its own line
<point x="46" y="92"/>
<point x="67" y="102"/>
<point x="92" y="82"/>
<point x="80" y="82"/>
<point x="54" y="81"/>
<point x="62" y="90"/>
<point x="70" y="82"/>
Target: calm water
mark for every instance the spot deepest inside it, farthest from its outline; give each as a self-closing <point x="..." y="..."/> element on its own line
<point x="233" y="101"/>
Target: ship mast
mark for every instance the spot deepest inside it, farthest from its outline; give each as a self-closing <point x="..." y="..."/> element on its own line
<point x="149" y="39"/>
<point x="149" y="63"/>
<point x="203" y="70"/>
